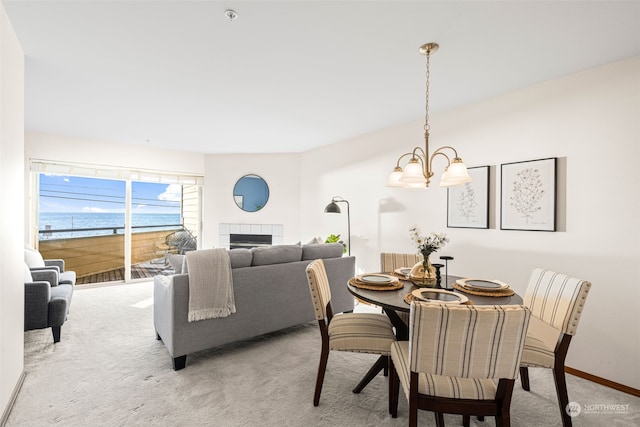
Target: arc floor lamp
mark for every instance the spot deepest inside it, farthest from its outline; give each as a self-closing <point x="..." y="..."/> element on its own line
<point x="334" y="208"/>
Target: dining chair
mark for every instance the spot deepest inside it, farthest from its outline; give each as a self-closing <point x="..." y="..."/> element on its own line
<point x="556" y="302"/>
<point x="390" y="261"/>
<point x="460" y="359"/>
<point x="354" y="332"/>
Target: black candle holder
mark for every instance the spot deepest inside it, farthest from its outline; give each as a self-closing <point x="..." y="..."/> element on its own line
<point x="446" y="259"/>
<point x="438" y="276"/>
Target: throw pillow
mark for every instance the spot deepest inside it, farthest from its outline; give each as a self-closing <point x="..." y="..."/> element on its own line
<point x="33" y="258"/>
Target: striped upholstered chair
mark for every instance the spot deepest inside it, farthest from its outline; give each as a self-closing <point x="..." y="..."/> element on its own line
<point x="356" y="332"/>
<point x="460" y="359"/>
<point x="390" y="261"/>
<point x="556" y="302"/>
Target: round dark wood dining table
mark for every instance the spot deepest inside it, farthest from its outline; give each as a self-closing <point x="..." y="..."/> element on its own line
<point x="392" y="301"/>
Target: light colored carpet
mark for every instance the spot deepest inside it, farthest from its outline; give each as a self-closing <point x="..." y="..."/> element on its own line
<point x="109" y="370"/>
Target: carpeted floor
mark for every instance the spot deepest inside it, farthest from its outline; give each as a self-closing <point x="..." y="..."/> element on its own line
<point x="109" y="370"/>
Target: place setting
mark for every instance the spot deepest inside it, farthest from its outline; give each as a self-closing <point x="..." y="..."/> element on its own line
<point x="376" y="282"/>
<point x="484" y="287"/>
<point x="434" y="295"/>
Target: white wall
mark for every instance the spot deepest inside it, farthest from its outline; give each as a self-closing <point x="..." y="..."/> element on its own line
<point x="280" y="171"/>
<point x="11" y="212"/>
<point x="591" y="121"/>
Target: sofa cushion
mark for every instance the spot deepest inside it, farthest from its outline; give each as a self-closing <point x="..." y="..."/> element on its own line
<point x="276" y="254"/>
<point x="240" y="258"/>
<point x="322" y="250"/>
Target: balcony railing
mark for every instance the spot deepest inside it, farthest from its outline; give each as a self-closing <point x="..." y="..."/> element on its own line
<point x="97" y="258"/>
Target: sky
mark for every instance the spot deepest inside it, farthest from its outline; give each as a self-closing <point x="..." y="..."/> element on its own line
<point x="59" y="193"/>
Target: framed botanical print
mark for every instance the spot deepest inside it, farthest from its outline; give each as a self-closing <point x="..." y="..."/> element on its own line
<point x="468" y="204"/>
<point x="528" y="195"/>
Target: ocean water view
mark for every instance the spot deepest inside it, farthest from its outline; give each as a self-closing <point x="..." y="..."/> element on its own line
<point x="82" y="224"/>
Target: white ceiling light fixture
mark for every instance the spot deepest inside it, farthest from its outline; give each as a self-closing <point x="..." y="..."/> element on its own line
<point x="418" y="172"/>
<point x="231" y="15"/>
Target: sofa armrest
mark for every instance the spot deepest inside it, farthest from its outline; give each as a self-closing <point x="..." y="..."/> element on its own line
<point x="48" y="275"/>
<point x="55" y="263"/>
<point x="36" y="305"/>
<point x="168" y="292"/>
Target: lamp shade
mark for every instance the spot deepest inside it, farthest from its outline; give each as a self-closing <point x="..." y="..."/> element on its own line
<point x="455" y="174"/>
<point x="413" y="173"/>
<point x="394" y="178"/>
<point x="332" y="208"/>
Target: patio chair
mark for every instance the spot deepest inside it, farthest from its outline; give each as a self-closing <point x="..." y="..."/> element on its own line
<point x="180" y="242"/>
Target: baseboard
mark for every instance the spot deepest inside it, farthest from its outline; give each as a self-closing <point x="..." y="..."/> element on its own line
<point x="602" y="381"/>
<point x="12" y="400"/>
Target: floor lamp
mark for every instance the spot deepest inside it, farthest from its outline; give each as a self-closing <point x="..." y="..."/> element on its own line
<point x="334" y="208"/>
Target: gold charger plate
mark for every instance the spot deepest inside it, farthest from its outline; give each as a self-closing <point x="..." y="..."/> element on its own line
<point x="376" y="279"/>
<point x="389" y="287"/>
<point x="482" y="285"/>
<point x="441" y="296"/>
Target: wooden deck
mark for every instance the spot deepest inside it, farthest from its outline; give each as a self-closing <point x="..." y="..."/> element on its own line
<point x="138" y="271"/>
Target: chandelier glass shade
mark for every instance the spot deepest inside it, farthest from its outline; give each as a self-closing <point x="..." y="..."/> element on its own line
<point x="418" y="171"/>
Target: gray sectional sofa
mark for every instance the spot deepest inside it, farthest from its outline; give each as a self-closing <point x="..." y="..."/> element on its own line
<point x="271" y="293"/>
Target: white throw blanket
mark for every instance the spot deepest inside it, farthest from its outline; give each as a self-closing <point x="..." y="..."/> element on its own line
<point x="210" y="284"/>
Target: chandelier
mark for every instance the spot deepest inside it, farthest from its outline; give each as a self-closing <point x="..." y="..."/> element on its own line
<point x="418" y="172"/>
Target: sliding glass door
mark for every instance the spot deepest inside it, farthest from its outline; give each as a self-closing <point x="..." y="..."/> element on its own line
<point x="114" y="229"/>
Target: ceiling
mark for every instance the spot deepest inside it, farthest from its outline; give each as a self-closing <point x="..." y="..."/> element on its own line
<point x="290" y="76"/>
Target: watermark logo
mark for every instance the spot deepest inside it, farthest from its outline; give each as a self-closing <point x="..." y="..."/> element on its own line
<point x="573" y="409"/>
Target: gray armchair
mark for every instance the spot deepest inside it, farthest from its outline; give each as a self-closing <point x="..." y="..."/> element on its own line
<point x="34" y="260"/>
<point x="46" y="300"/>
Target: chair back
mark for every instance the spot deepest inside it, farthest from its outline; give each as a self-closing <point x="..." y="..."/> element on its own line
<point x="391" y="261"/>
<point x="319" y="288"/>
<point x="556" y="299"/>
<point x="467" y="341"/>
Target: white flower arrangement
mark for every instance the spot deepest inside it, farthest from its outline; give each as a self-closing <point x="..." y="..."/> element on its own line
<point x="429" y="243"/>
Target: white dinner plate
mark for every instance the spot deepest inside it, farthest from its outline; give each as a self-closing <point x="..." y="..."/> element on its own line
<point x="376" y="279"/>
<point x="441" y="296"/>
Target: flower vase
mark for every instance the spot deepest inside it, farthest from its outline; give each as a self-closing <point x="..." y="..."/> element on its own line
<point x="423" y="274"/>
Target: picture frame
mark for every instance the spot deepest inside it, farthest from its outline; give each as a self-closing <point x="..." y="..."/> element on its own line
<point x="468" y="204"/>
<point x="528" y="195"/>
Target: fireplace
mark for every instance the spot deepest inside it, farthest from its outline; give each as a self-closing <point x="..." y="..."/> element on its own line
<point x="250" y="235"/>
<point x="249" y="241"/>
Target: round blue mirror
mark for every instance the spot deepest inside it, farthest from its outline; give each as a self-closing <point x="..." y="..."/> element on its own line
<point x="251" y="193"/>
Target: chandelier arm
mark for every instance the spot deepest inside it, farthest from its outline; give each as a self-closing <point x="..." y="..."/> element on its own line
<point x="436" y="153"/>
<point x="444" y="147"/>
<point x="401" y="157"/>
<point x="420" y="152"/>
